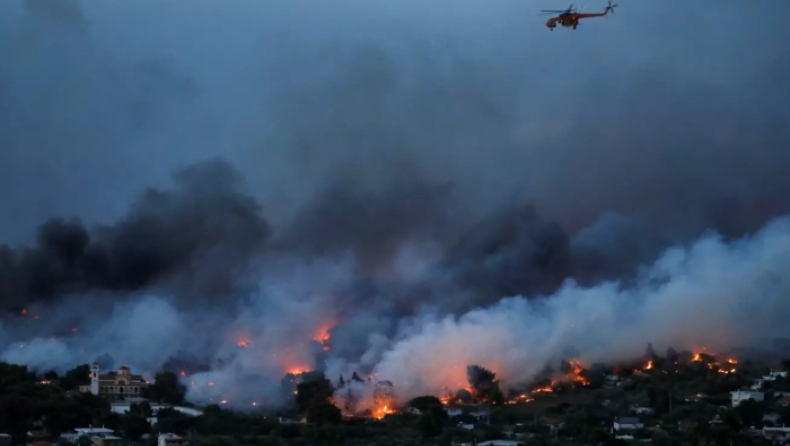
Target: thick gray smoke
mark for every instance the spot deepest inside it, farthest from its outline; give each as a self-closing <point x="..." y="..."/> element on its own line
<point x="405" y="195"/>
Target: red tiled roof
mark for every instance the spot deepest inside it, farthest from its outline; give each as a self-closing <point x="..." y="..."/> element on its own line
<point x="134" y="379"/>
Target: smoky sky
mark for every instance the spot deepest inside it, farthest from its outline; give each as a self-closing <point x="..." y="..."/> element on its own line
<point x="373" y="163"/>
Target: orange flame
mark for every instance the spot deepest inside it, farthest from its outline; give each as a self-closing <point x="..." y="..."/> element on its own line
<point x="382" y="412"/>
<point x="575" y="374"/>
<point x="243" y="342"/>
<point x="649" y="365"/>
<point x="322" y="335"/>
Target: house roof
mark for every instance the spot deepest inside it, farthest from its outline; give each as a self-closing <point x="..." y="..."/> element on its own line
<point x="626" y="420"/>
<point x="40" y="434"/>
<point x="134" y="379"/>
<point x="124" y="367"/>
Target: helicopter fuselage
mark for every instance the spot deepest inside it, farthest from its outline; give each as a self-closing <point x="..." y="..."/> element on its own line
<point x="563" y="20"/>
<point x="571" y="19"/>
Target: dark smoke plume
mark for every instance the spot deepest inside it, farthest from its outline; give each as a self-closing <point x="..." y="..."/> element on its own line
<point x="193" y="237"/>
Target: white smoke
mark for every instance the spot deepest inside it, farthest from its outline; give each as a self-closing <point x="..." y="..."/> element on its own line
<point x="712" y="294"/>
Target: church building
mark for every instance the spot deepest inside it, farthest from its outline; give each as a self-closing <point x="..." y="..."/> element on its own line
<point x="115" y="386"/>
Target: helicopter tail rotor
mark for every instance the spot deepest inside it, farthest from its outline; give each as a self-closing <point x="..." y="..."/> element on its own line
<point x="610" y="7"/>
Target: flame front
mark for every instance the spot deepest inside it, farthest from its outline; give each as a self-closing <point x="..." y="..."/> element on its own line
<point x="382" y="412"/>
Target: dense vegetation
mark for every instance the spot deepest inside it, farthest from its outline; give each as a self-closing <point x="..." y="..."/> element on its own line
<point x="578" y="413"/>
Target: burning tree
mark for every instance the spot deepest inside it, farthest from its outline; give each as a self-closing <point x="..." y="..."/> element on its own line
<point x="484" y="385"/>
<point x="383" y="399"/>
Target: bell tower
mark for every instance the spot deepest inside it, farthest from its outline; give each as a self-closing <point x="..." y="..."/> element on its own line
<point x="95" y="379"/>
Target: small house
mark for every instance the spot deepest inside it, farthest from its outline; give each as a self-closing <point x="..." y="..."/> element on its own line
<point x="627" y="423"/>
<point x="168" y="439"/>
<point x="739" y="396"/>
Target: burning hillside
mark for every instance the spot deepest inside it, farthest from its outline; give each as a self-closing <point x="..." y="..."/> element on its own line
<point x="373" y="398"/>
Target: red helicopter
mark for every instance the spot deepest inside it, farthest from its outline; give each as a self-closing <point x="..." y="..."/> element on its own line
<point x="570" y="18"/>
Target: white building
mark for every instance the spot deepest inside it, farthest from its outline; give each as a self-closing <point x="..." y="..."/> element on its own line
<point x="772" y="376"/>
<point x="627" y="423"/>
<point x="155" y="408"/>
<point x="501" y="443"/>
<point x="453" y="411"/>
<point x="94" y="432"/>
<point x="739" y="396"/>
<point x="167" y="439"/>
<point x="642" y="410"/>
<point x="780" y="434"/>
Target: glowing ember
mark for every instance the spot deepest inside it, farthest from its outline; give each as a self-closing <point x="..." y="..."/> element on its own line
<point x="24" y="311"/>
<point x="183" y="373"/>
<point x="521" y="399"/>
<point x="243" y="342"/>
<point x="649" y="365"/>
<point x="297" y="370"/>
